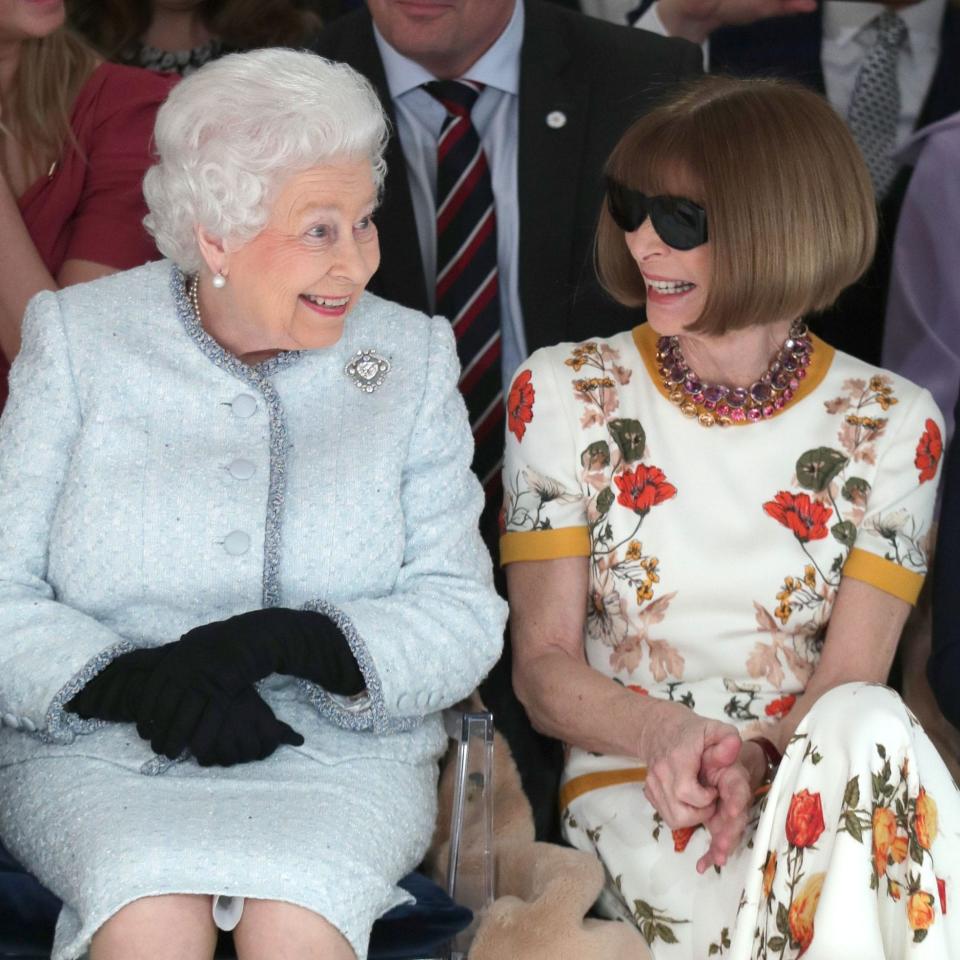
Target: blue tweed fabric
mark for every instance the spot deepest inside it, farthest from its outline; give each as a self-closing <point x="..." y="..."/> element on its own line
<point x="150" y="482"/>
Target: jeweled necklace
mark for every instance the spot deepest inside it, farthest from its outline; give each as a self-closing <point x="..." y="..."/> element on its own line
<point x="714" y="403"/>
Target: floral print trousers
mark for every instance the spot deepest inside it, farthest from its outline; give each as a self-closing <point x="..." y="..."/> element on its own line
<point x="853" y="853"/>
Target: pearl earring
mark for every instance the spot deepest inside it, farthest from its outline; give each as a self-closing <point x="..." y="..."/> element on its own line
<point x="219" y="280"/>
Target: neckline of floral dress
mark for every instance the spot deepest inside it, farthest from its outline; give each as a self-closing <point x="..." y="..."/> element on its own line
<point x="645" y="339"/>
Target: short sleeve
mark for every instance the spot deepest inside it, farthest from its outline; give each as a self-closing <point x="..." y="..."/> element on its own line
<point x="107" y="226"/>
<point x="544" y="508"/>
<point x="894" y="540"/>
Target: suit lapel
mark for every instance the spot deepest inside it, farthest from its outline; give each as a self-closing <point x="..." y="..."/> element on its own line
<point x="786" y="47"/>
<point x="943" y="98"/>
<point x="552" y="128"/>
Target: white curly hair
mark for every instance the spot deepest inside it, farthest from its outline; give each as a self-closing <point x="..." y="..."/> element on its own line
<point x="230" y="135"/>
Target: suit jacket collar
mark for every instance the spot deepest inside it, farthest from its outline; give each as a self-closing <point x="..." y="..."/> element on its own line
<point x="943" y="97"/>
<point x="553" y="124"/>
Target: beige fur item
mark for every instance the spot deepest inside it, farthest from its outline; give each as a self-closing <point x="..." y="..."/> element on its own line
<point x="543" y="890"/>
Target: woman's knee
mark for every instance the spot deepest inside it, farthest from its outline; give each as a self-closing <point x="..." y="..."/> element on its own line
<point x="275" y="930"/>
<point x="870" y="709"/>
<point x="175" y="926"/>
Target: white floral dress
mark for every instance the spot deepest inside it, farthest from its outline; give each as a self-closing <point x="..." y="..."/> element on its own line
<point x="715" y="557"/>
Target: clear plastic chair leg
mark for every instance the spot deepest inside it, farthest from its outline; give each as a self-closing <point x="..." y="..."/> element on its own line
<point x="470" y="869"/>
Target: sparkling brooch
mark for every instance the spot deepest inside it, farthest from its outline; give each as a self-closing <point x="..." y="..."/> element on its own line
<point x="367" y="370"/>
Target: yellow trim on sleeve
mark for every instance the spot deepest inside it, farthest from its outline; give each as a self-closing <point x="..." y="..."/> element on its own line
<point x="578" y="786"/>
<point x="883" y="574"/>
<point x="544" y="544"/>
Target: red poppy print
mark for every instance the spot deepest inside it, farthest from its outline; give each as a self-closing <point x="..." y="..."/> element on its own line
<point x="636" y="688"/>
<point x="929" y="451"/>
<point x="681" y="837"/>
<point x="805" y="518"/>
<point x="643" y="488"/>
<point x="942" y="890"/>
<point x="520" y="404"/>
<point x="781" y="706"/>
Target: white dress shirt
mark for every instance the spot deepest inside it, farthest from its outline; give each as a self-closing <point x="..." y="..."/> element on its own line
<point x="496" y="118"/>
<point x="847" y="38"/>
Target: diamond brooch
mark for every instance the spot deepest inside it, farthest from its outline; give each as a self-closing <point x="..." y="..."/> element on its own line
<point x="367" y="370"/>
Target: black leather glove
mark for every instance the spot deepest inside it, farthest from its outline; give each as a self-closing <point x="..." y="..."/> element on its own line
<point x="239" y="731"/>
<point x="113" y="693"/>
<point x="218" y="661"/>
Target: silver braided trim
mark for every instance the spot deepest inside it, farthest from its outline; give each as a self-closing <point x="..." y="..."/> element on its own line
<point x="256" y="377"/>
<point x="373" y="716"/>
<point x="63" y="726"/>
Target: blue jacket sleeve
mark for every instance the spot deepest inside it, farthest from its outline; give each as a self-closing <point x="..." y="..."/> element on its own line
<point x="48" y="650"/>
<point x="429" y="642"/>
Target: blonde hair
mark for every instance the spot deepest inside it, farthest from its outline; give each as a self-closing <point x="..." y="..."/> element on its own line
<point x="790" y="207"/>
<point x="36" y="110"/>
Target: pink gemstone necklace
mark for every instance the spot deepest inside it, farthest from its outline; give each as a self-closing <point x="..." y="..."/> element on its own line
<point x="714" y="403"/>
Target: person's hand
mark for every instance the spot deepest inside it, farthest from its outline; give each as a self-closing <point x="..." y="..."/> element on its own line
<point x="216" y="662"/>
<point x="239" y="731"/>
<point x="675" y="743"/>
<point x="695" y="20"/>
<point x="115" y="691"/>
<point x="227" y="656"/>
<point x="736" y="784"/>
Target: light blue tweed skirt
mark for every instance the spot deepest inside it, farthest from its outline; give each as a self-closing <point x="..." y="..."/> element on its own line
<point x="333" y="836"/>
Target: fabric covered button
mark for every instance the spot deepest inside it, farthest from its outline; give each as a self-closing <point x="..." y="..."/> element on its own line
<point x="433" y="701"/>
<point x="241" y="469"/>
<point x="404" y="701"/>
<point x="244" y="405"/>
<point x="421" y="699"/>
<point x="236" y="543"/>
<point x="27" y="724"/>
<point x="11" y="721"/>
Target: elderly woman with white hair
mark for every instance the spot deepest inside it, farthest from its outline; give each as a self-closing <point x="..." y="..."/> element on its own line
<point x="240" y="573"/>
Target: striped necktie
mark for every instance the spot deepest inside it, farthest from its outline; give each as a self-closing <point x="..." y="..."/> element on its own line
<point x="468" y="291"/>
<point x="875" y="105"/>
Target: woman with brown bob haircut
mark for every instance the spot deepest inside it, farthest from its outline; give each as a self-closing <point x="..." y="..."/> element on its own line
<point x="715" y="526"/>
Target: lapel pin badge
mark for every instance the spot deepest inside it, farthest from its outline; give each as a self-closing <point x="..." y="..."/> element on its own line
<point x="556" y="119"/>
<point x="367" y="369"/>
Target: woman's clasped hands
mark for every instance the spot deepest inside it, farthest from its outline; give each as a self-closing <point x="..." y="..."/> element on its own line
<point x="700" y="771"/>
<point x="198" y="693"/>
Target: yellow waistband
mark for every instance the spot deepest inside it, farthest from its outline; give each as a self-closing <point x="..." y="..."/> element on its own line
<point x="578" y="786"/>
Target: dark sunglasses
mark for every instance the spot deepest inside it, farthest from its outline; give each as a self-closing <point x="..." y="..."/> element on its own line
<point x="680" y="223"/>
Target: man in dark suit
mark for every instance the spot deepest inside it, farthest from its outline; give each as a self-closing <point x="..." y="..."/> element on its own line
<point x="581" y="83"/>
<point x="824" y="45"/>
<point x="557" y="90"/>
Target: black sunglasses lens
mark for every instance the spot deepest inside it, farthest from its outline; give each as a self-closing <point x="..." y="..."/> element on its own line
<point x="628" y="208"/>
<point x="680" y="223"/>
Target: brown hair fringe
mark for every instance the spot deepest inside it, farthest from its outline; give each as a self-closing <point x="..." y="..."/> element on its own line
<point x="790" y="207"/>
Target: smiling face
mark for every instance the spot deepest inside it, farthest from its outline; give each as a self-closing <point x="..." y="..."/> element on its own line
<point x="29" y="19"/>
<point x="445" y="37"/>
<point x="677" y="281"/>
<point x="292" y="286"/>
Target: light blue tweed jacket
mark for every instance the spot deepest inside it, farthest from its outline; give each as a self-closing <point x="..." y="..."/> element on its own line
<point x="150" y="482"/>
